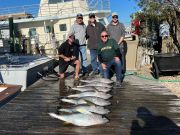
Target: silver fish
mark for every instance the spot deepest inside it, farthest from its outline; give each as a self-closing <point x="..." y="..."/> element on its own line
<point x="87" y="100"/>
<point x="86" y="109"/>
<point x="84" y="89"/>
<point x="90" y="88"/>
<point x="98" y="80"/>
<point x="95" y="85"/>
<point x="91" y="94"/>
<point x="102" y="89"/>
<point x="81" y="119"/>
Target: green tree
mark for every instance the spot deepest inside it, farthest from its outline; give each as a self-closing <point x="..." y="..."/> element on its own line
<point x="155" y="12"/>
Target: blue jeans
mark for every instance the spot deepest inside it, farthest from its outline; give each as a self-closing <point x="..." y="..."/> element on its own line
<point x="94" y="62"/>
<point x="118" y="69"/>
<point x="121" y="48"/>
<point x="83" y="54"/>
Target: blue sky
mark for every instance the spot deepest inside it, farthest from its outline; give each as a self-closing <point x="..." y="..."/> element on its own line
<point x="123" y="7"/>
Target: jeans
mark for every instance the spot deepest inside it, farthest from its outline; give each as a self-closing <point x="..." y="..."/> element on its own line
<point x="94" y="62"/>
<point x="83" y="54"/>
<point x="121" y="48"/>
<point x="96" y="66"/>
<point x="118" y="69"/>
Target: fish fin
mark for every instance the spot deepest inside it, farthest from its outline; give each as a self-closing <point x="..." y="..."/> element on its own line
<point x="83" y="111"/>
<point x="88" y="102"/>
<point x="66" y="123"/>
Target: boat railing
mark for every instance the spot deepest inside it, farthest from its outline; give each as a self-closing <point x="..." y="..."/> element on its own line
<point x="46" y="9"/>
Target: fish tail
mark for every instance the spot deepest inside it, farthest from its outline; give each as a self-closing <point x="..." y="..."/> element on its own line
<point x="70" y="96"/>
<point x="84" y="81"/>
<point x="69" y="101"/>
<point x="55" y="116"/>
<point x="65" y="110"/>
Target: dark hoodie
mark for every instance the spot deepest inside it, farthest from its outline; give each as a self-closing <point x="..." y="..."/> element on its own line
<point x="93" y="34"/>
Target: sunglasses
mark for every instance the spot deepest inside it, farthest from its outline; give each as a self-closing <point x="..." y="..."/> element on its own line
<point x="92" y="17"/>
<point x="115" y="16"/>
<point x="79" y="18"/>
<point x="103" y="36"/>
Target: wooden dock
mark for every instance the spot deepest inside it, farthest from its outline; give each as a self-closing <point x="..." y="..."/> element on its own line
<point x="140" y="107"/>
<point x="8" y="92"/>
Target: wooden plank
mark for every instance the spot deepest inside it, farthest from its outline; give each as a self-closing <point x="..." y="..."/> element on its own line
<point x="10" y="92"/>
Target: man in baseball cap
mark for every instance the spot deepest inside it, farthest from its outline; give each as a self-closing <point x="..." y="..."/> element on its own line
<point x="114" y="14"/>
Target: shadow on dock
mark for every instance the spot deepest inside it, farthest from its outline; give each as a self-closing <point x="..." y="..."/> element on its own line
<point x="149" y="124"/>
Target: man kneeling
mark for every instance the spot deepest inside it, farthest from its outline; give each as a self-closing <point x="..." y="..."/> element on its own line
<point x="108" y="55"/>
<point x="68" y="55"/>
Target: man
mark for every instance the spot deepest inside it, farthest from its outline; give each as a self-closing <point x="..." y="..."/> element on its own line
<point x="116" y="31"/>
<point x="68" y="55"/>
<point x="94" y="30"/>
<point x="108" y="54"/>
<point x="79" y="30"/>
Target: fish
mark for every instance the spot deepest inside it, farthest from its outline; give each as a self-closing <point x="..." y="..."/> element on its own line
<point x="91" y="94"/>
<point x="98" y="80"/>
<point x="80" y="119"/>
<point x="84" y="89"/>
<point x="102" y="89"/>
<point x="87" y="100"/>
<point x="86" y="109"/>
<point x="95" y="85"/>
<point x="90" y="88"/>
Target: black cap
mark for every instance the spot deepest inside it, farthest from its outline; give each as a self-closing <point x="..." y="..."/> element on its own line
<point x="91" y="15"/>
<point x="79" y="15"/>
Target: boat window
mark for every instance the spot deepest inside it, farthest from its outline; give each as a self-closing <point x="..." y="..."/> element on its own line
<point x="47" y="29"/>
<point x="102" y="21"/>
<point x="58" y="1"/>
<point x="67" y="0"/>
<point x="63" y="27"/>
<point x="32" y="32"/>
<point x="55" y="1"/>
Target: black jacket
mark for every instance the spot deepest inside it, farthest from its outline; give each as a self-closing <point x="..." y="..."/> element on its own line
<point x="69" y="50"/>
<point x="93" y="34"/>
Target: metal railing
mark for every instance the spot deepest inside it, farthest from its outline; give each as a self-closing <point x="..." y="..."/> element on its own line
<point x="46" y="9"/>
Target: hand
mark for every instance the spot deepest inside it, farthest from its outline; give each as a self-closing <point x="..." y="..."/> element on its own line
<point x="73" y="57"/>
<point x="67" y="59"/>
<point x="103" y="66"/>
<point x="116" y="59"/>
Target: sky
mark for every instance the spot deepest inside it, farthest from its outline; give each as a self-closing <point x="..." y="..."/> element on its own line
<point x="123" y="7"/>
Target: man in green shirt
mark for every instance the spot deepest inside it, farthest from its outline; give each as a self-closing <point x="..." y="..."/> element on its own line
<point x="109" y="55"/>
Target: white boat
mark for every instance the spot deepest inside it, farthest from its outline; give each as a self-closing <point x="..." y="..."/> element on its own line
<point x="40" y="21"/>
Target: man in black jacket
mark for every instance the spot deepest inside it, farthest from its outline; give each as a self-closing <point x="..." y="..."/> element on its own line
<point x="94" y="30"/>
<point x="68" y="55"/>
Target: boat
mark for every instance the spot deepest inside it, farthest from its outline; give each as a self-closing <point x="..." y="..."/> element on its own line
<point x="40" y="22"/>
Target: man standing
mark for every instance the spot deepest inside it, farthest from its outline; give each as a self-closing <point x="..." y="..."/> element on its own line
<point x="108" y="55"/>
<point x="117" y="32"/>
<point x="94" y="30"/>
<point x="79" y="30"/>
<point x="68" y="55"/>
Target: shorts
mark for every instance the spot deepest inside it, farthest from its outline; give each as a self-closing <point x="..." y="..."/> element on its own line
<point x="64" y="65"/>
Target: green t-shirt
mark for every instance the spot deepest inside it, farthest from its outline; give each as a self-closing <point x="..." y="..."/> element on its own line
<point x="107" y="50"/>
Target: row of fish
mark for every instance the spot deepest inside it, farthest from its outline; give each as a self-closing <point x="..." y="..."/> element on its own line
<point x="88" y="105"/>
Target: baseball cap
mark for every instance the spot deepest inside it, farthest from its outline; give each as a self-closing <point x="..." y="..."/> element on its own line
<point x="91" y="15"/>
<point x="114" y="13"/>
<point x="79" y="15"/>
<point x="70" y="35"/>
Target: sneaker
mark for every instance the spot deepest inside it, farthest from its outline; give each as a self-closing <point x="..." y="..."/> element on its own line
<point x="76" y="79"/>
<point x="93" y="73"/>
<point x="85" y="74"/>
<point x="118" y="84"/>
